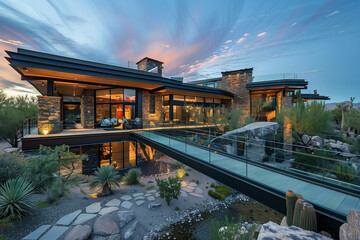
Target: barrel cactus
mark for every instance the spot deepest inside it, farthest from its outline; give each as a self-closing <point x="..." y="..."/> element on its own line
<point x="298" y="206"/>
<point x="290" y="205"/>
<point x="308" y="217"/>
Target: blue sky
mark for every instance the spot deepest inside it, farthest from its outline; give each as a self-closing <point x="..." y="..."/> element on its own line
<point x="319" y="40"/>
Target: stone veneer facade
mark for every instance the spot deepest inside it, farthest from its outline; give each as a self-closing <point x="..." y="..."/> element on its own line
<point x="235" y="82"/>
<point x="49" y="114"/>
<point x="146" y="115"/>
<point x="87" y="108"/>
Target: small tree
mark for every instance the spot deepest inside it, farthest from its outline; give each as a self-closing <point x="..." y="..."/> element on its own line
<point x="306" y="118"/>
<point x="343" y="107"/>
<point x="169" y="189"/>
<point x="229" y="118"/>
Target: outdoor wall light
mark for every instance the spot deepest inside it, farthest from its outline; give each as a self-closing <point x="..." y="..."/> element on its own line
<point x="45" y="132"/>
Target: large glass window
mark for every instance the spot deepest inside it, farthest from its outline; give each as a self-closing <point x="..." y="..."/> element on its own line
<point x="119" y="154"/>
<point x="178" y="98"/>
<point x="113" y="105"/>
<point x="129" y="95"/>
<point x="190" y="99"/>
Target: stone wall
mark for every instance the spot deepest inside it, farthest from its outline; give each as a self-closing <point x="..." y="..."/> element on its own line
<point x="91" y="162"/>
<point x="87" y="108"/>
<point x="235" y="82"/>
<point x="146" y="115"/>
<point x="147" y="64"/>
<point x="49" y="114"/>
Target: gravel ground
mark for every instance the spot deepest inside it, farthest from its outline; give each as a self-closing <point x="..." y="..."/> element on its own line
<point x="151" y="219"/>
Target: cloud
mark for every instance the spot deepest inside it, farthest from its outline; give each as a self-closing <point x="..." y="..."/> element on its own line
<point x="312" y="71"/>
<point x="246" y="34"/>
<point x="12" y="42"/>
<point x="241" y="40"/>
<point x="228" y="41"/>
<point x="333" y="13"/>
<point x="293" y="25"/>
<point x="263" y="34"/>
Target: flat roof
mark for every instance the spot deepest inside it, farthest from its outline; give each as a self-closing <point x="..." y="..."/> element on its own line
<point x="314" y="96"/>
<point x="36" y="66"/>
<point x="285" y="83"/>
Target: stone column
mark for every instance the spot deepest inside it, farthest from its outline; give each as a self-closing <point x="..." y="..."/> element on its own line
<point x="146" y="106"/>
<point x="286" y="102"/>
<point x="87" y="108"/>
<point x="235" y="82"/>
<point x="49" y="115"/>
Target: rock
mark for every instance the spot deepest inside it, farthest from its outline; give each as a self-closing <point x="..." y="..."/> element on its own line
<point x="332" y="141"/>
<point x="93" y="208"/>
<point x="351" y="229"/>
<point x="135" y="195"/>
<point x="139" y="198"/>
<point x="106" y="225"/>
<point x="125" y="217"/>
<point x="37" y="233"/>
<point x="126" y="204"/>
<point x="196" y="195"/>
<point x="79" y="232"/>
<point x="317" y="139"/>
<point x="183" y="184"/>
<point x="135" y="232"/>
<point x="326" y="140"/>
<point x="188" y="190"/>
<point x="108" y="210"/>
<point x="157" y="194"/>
<point x="198" y="190"/>
<point x="272" y="230"/>
<point x="305" y="138"/>
<point x="339" y="147"/>
<point x="339" y="142"/>
<point x="153" y="205"/>
<point x="126" y="198"/>
<point x="11" y="150"/>
<point x="83" y="218"/>
<point x="192" y="184"/>
<point x="113" y="203"/>
<point x="183" y="193"/>
<point x="151" y="191"/>
<point x="115" y="237"/>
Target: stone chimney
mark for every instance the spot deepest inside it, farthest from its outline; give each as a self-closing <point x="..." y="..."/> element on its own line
<point x="150" y="65"/>
<point x="235" y="82"/>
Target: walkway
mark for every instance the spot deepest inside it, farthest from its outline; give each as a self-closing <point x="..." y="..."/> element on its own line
<point x="317" y="195"/>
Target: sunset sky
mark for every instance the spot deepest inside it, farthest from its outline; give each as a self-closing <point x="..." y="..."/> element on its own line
<point x="319" y="40"/>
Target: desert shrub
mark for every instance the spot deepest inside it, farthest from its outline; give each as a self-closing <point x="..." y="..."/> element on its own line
<point x="57" y="190"/>
<point x="16" y="197"/>
<point x="345" y="172"/>
<point x="41" y="171"/>
<point x="355" y="146"/>
<point x="177" y="208"/>
<point x="11" y="166"/>
<point x="216" y="195"/>
<point x="231" y="230"/>
<point x="305" y="162"/>
<point x="223" y="190"/>
<point x="186" y="174"/>
<point x="105" y="178"/>
<point x="212" y="185"/>
<point x="132" y="176"/>
<point x="150" y="187"/>
<point x="169" y="189"/>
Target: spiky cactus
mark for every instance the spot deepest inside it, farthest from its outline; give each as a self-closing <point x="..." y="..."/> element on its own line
<point x="308" y="217"/>
<point x="297" y="211"/>
<point x="290" y="205"/>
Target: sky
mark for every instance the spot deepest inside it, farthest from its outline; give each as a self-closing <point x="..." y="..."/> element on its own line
<point x="318" y="40"/>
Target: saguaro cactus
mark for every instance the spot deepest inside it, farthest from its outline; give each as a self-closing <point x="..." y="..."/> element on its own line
<point x="290" y="205"/>
<point x="308" y="217"/>
<point x="298" y="206"/>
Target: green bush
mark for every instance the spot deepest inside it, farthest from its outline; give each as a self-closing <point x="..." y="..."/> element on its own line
<point x="186" y="174"/>
<point x="57" y="190"/>
<point x="41" y="170"/>
<point x="212" y="185"/>
<point x="177" y="208"/>
<point x="132" y="176"/>
<point x="345" y="172"/>
<point x="231" y="230"/>
<point x="220" y="193"/>
<point x="216" y="195"/>
<point x="169" y="189"/>
<point x="150" y="187"/>
<point x="16" y="197"/>
<point x="105" y="178"/>
<point x="11" y="166"/>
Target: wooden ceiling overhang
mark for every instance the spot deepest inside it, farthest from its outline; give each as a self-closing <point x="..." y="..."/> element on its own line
<point x="70" y="73"/>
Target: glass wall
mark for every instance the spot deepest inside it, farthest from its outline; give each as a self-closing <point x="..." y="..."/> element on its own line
<point x="115" y="107"/>
<point x="119" y="154"/>
<point x="263" y="106"/>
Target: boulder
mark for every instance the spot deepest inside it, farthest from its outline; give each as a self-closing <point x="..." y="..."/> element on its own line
<point x="272" y="230"/>
<point x="332" y="141"/>
<point x="305" y="138"/>
<point x="125" y="217"/>
<point x="135" y="232"/>
<point x="351" y="229"/>
<point x="317" y="141"/>
<point x="11" y="150"/>
<point x="106" y="225"/>
<point x="79" y="232"/>
<point x="342" y="148"/>
<point x="339" y="142"/>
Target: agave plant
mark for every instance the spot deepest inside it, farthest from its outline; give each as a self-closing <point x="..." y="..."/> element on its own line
<point x="16" y="197"/>
<point x="106" y="178"/>
<point x="132" y="176"/>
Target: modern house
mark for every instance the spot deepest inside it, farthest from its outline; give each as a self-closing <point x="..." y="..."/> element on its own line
<point x="84" y="95"/>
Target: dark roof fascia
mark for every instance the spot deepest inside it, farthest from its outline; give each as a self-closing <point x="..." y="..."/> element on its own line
<point x="314" y="96"/>
<point x="205" y="80"/>
<point x="278" y="83"/>
<point x="57" y="63"/>
<point x="237" y="71"/>
<point x="211" y="91"/>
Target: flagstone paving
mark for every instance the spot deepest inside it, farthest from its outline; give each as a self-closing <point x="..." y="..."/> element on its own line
<point x="67" y="219"/>
<point x="54" y="233"/>
<point x="106" y="210"/>
<point x="126" y="204"/>
<point x="37" y="233"/>
<point x="83" y="218"/>
<point x="139" y="202"/>
<point x="113" y="203"/>
<point x="93" y="208"/>
<point x="126" y="198"/>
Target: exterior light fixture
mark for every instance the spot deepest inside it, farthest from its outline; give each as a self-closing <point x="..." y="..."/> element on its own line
<point x="42" y="84"/>
<point x="46" y="132"/>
